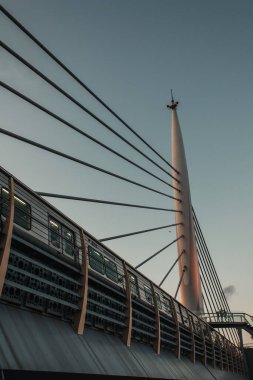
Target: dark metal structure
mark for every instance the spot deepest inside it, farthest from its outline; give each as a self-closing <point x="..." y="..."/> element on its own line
<point x="222" y="319"/>
<point x="67" y="295"/>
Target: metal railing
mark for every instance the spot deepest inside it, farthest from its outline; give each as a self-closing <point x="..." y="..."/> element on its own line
<point x="157" y="318"/>
<point x="221" y="316"/>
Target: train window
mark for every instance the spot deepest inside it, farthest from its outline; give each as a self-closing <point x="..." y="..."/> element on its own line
<point x="167" y="305"/>
<point x="54" y="233"/>
<point x="68" y="241"/>
<point x="61" y="237"/>
<point x="96" y="260"/>
<point x="177" y="308"/>
<point x="22" y="210"/>
<point x="158" y="299"/>
<point x="184" y="315"/>
<point x="134" y="284"/>
<point x="111" y="270"/>
<point x="148" y="294"/>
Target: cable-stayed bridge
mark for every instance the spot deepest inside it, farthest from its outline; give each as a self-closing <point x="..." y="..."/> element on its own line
<point x="71" y="305"/>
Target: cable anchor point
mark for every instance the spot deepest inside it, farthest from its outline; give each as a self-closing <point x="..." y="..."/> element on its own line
<point x="173" y="104"/>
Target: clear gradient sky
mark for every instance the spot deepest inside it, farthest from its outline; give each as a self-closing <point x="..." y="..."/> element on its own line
<point x="131" y="53"/>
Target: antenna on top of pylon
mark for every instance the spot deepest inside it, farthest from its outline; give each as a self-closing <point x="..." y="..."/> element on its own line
<point x="173" y="104"/>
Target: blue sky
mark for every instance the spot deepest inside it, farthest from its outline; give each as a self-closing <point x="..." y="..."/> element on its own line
<point x="131" y="53"/>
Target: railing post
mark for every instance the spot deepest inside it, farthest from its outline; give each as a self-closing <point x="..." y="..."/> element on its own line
<point x="234" y="359"/>
<point x="212" y="344"/>
<point x="128" y="331"/>
<point x="236" y="355"/>
<point x="192" y="354"/>
<point x="203" y="340"/>
<point x="239" y="360"/>
<point x="225" y="346"/>
<point x="178" y="343"/>
<point x="79" y="319"/>
<point x="231" y="352"/>
<point x="157" y="316"/>
<point x="230" y="356"/>
<point x="221" y="352"/>
<point x="6" y="238"/>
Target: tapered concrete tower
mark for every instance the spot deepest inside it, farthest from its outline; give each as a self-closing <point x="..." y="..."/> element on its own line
<point x="190" y="288"/>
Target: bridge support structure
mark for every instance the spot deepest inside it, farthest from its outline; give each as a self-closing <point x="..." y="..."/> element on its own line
<point x="190" y="288"/>
<point x="246" y="370"/>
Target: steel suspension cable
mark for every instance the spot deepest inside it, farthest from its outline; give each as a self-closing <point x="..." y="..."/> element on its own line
<point x="155" y="254"/>
<point x="173" y="265"/>
<point x="66" y="69"/>
<point x="201" y="240"/>
<point x="213" y="274"/>
<point x="71" y="158"/>
<point x="216" y="278"/>
<point x="63" y="66"/>
<point x="59" y="89"/>
<point x="180" y="281"/>
<point x="203" y="283"/>
<point x="85" y="134"/>
<point x="225" y="332"/>
<point x="43" y="194"/>
<point x="211" y="286"/>
<point x="204" y="300"/>
<point x="211" y="283"/>
<point x="209" y="257"/>
<point x="212" y="305"/>
<point x="202" y="268"/>
<point x="138" y="232"/>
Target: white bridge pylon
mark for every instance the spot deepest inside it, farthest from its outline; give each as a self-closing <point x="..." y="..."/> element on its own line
<point x="190" y="288"/>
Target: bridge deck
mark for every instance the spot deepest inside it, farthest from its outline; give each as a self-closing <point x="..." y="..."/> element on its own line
<point x="34" y="342"/>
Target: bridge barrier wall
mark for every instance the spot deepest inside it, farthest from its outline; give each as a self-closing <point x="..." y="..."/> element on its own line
<point x="35" y="342"/>
<point x="249" y="357"/>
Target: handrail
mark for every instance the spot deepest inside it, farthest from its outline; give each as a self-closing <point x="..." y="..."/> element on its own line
<point x="5" y="244"/>
<point x="248" y="345"/>
<point x="227" y="317"/>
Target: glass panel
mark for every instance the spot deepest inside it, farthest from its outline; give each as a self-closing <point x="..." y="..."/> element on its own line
<point x="184" y="315"/>
<point x="22" y="214"/>
<point x="5" y="202"/>
<point x="54" y="233"/>
<point x="179" y="317"/>
<point x="167" y="305"/>
<point x="148" y="294"/>
<point x="22" y="211"/>
<point x="96" y="260"/>
<point x="158" y="299"/>
<point x="134" y="284"/>
<point x="204" y="328"/>
<point x="196" y="324"/>
<point x="111" y="270"/>
<point x="68" y="241"/>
